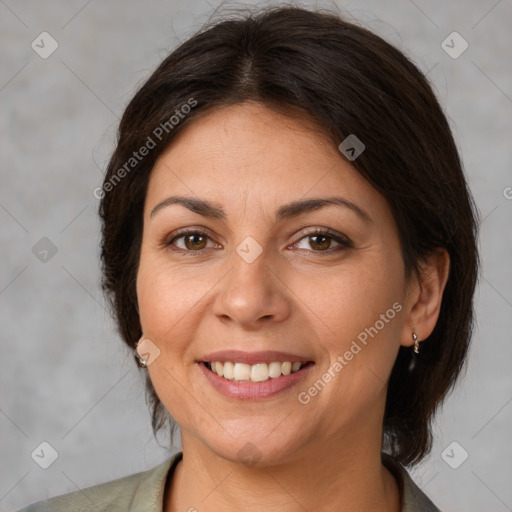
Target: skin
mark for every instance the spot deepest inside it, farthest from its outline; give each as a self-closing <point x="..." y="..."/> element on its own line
<point x="295" y="297"/>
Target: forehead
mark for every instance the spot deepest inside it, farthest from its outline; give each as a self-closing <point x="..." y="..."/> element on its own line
<point x="251" y="154"/>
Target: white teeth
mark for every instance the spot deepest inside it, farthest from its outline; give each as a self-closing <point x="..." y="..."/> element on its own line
<point x="286" y="368"/>
<point x="229" y="370"/>
<point x="259" y="372"/>
<point x="274" y="370"/>
<point x="295" y="367"/>
<point x="219" y="369"/>
<point x="242" y="371"/>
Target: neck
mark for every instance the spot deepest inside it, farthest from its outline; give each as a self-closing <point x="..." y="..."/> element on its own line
<point x="338" y="475"/>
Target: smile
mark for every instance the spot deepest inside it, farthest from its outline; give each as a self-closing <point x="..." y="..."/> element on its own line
<point x="259" y="372"/>
<point x="258" y="381"/>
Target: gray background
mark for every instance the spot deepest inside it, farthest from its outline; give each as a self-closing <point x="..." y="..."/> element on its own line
<point x="65" y="376"/>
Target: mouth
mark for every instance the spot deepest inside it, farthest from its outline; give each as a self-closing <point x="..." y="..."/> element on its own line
<point x="259" y="372"/>
<point x="261" y="375"/>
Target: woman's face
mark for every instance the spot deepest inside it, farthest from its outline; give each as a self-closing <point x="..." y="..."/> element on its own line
<point x="262" y="285"/>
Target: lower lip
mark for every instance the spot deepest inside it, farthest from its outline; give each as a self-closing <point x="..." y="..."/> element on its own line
<point x="244" y="390"/>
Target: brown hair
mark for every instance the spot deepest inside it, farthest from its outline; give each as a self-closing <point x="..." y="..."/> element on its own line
<point x="349" y="81"/>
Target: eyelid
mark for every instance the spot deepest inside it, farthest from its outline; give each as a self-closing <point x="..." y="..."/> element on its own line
<point x="188" y="230"/>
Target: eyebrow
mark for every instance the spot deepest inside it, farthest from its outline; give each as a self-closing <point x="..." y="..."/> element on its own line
<point x="287" y="211"/>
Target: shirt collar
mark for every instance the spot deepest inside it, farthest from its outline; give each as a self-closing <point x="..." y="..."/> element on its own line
<point x="412" y="498"/>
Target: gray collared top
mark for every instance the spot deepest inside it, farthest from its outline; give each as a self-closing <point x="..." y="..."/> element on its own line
<point x="144" y="492"/>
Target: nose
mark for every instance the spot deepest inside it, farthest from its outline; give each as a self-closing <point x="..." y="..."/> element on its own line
<point x="252" y="294"/>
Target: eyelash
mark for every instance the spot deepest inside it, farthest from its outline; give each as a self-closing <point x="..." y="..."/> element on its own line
<point x="344" y="242"/>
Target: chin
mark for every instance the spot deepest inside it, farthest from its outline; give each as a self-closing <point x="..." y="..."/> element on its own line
<point x="258" y="447"/>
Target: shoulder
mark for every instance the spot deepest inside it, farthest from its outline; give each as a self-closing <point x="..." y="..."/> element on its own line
<point x="412" y="497"/>
<point x="143" y="491"/>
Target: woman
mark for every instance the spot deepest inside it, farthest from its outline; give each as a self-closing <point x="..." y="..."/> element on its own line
<point x="289" y="248"/>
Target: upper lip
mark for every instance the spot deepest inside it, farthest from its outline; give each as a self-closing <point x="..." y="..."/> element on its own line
<point x="238" y="356"/>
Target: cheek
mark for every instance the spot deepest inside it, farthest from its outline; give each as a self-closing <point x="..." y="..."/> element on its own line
<point x="359" y="310"/>
<point x="169" y="302"/>
<point x="167" y="299"/>
<point x="354" y="298"/>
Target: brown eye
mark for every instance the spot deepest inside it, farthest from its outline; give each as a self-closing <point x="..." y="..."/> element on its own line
<point x="194" y="242"/>
<point x="321" y="242"/>
<point x="191" y="241"/>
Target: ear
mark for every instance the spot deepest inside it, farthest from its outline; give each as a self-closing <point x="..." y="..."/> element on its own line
<point x="424" y="297"/>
